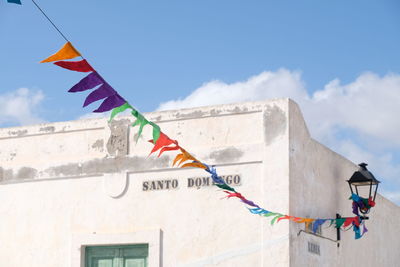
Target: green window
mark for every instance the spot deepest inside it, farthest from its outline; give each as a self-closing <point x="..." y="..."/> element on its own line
<point x="117" y="256"/>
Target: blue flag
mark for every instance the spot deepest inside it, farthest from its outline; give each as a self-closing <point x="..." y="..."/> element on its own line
<point x="14" y="2"/>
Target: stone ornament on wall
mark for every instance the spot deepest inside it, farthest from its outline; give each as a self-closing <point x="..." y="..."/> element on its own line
<point x="115" y="185"/>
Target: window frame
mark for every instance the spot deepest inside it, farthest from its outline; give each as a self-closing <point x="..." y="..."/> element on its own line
<point x="117" y="252"/>
<point x="151" y="237"/>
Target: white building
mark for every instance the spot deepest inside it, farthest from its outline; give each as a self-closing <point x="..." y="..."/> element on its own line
<point x="80" y="193"/>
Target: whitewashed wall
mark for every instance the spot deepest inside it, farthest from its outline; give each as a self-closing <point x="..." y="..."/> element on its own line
<point x="68" y="184"/>
<point x="318" y="188"/>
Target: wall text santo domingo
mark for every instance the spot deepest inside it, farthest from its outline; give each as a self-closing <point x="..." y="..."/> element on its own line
<point x="193" y="182"/>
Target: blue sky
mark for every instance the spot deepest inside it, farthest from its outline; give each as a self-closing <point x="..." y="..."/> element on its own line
<point x="323" y="54"/>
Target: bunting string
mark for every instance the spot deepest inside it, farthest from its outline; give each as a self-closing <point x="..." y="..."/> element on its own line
<point x="44" y="14"/>
<point x="111" y="100"/>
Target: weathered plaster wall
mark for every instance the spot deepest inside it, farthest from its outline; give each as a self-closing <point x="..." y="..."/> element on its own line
<point x="381" y="245"/>
<point x="76" y="183"/>
<point x="318" y="188"/>
<point x="85" y="178"/>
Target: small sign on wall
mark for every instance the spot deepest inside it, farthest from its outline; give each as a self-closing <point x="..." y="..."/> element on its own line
<point x="191" y="182"/>
<point x="313" y="248"/>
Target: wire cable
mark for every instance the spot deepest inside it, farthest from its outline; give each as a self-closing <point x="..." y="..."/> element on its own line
<point x="320" y="236"/>
<point x="47" y="17"/>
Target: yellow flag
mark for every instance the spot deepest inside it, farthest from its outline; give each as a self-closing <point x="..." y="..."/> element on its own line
<point x="66" y="52"/>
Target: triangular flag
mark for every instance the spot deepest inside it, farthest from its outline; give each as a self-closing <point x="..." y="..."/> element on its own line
<point x="66" y="52"/>
<point x="14" y="2"/>
<point x="356" y="221"/>
<point x="110" y="102"/>
<point x="250" y="203"/>
<point x="259" y="211"/>
<point x="81" y="66"/>
<point x="119" y="109"/>
<point x="300" y="220"/>
<point x="163" y="141"/>
<point x="339" y="222"/>
<point x="156" y="131"/>
<point x="286" y="217"/>
<point x="168" y="148"/>
<point x="194" y="165"/>
<point x="141" y="121"/>
<point x="226" y="187"/>
<point x="270" y="214"/>
<point x="308" y="222"/>
<point x="89" y="82"/>
<point x="214" y="175"/>
<point x="103" y="91"/>
<point x="182" y="157"/>
<point x="317" y="223"/>
<point x="347" y="222"/>
<point x="235" y="194"/>
<point x="276" y="218"/>
<point x="364" y="229"/>
<point x="357" y="233"/>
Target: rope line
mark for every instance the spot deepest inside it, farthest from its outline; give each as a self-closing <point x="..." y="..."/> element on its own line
<point x="52" y="23"/>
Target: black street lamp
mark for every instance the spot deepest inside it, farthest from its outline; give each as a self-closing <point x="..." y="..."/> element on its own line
<point x="361" y="180"/>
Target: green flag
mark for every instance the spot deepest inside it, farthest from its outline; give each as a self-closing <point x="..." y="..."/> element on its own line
<point x="119" y="109"/>
<point x="276" y="218"/>
<point x="141" y="121"/>
<point x="156" y="131"/>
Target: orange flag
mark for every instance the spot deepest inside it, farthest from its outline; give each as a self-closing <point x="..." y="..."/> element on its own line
<point x="306" y="221"/>
<point x="182" y="157"/>
<point x="66" y="52"/>
<point x="194" y="165"/>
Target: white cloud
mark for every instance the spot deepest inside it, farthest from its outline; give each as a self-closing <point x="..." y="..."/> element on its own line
<point x="263" y="86"/>
<point x="369" y="105"/>
<point x="367" y="108"/>
<point x="382" y="163"/>
<point x="21" y="107"/>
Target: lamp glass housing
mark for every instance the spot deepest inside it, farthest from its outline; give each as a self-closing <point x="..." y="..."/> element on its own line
<point x="364" y="184"/>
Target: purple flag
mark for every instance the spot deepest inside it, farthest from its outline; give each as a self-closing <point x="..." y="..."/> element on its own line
<point x="89" y="82"/>
<point x="111" y="102"/>
<point x="364" y="229"/>
<point x="355" y="208"/>
<point x="250" y="203"/>
<point x="102" y="92"/>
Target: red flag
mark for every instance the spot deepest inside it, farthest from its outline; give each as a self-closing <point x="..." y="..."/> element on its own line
<point x="168" y="148"/>
<point x="356" y="221"/>
<point x="348" y="221"/>
<point x="286" y="217"/>
<point x="163" y="142"/>
<point x="81" y="66"/>
<point x="236" y="194"/>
